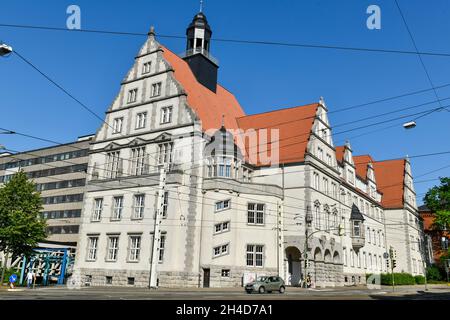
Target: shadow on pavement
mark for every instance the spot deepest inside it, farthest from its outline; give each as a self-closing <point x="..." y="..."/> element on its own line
<point x="419" y="295"/>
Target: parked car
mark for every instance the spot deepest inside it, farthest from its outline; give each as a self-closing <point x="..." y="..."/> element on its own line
<point x="266" y="284"/>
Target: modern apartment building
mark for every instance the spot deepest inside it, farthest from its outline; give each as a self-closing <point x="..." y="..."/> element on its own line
<point x="60" y="175"/>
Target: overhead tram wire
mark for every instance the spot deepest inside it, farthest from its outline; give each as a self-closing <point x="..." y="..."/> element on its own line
<point x="303" y="170"/>
<point x="70" y="95"/>
<point x="295" y="198"/>
<point x="421" y="62"/>
<point x="235" y="41"/>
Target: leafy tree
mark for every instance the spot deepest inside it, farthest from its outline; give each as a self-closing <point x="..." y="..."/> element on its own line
<point x="437" y="200"/>
<point x="21" y="226"/>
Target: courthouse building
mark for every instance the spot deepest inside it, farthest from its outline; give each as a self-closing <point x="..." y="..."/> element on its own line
<point x="297" y="205"/>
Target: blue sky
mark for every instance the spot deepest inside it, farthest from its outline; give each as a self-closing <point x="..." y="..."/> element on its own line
<point x="263" y="78"/>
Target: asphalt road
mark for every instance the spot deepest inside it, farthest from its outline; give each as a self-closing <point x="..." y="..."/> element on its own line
<point x="118" y="293"/>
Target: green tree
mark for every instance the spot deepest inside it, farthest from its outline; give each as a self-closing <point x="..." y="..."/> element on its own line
<point x="21" y="226"/>
<point x="437" y="199"/>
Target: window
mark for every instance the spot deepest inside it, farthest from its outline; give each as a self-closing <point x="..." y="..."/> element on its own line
<point x="132" y="95"/>
<point x="221" y="227"/>
<point x="165" y="153"/>
<point x="135" y="248"/>
<point x="352" y="258"/>
<point x="320" y="153"/>
<point x="412" y="244"/>
<point x="226" y="273"/>
<point x="334" y="190"/>
<point x="113" y="164"/>
<point x="325" y="185"/>
<point x="138" y="161"/>
<point x="166" y="115"/>
<point x="117" y="208"/>
<point x="316" y="181"/>
<point x="329" y="160"/>
<point x="108" y="279"/>
<point x="223" y="205"/>
<point x="364" y="260"/>
<point x="98" y="206"/>
<point x="165" y="204"/>
<point x="255" y="255"/>
<point x="350" y="176"/>
<point x="139" y="202"/>
<point x="220" y="250"/>
<point x="317" y="216"/>
<point x="146" y="67"/>
<point x="356" y="229"/>
<point x="156" y="89"/>
<point x="224" y="165"/>
<point x="344" y="250"/>
<point x="255" y="213"/>
<point x="92" y="248"/>
<point x="117" y="125"/>
<point x="368" y="235"/>
<point x="130" y="281"/>
<point x="113" y="247"/>
<point x="374" y="234"/>
<point x="141" y="120"/>
<point x="162" y="247"/>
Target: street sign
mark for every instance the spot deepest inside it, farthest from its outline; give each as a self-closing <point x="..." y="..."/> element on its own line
<point x="13" y="278"/>
<point x="386" y="255"/>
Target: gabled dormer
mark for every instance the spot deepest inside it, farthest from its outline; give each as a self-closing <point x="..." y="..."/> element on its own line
<point x="349" y="164"/>
<point x="322" y="127"/>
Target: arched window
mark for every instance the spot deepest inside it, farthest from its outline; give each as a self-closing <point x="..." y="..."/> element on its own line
<point x="326" y="210"/>
<point x="335" y="219"/>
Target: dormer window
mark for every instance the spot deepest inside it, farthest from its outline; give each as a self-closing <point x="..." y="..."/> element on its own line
<point x="156" y="89"/>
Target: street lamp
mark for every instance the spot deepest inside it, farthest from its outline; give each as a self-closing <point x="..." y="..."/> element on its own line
<point x="409" y="125"/>
<point x="5" y="50"/>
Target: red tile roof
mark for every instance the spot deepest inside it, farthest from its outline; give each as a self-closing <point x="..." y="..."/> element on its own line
<point x="340" y="153"/>
<point x="390" y="180"/>
<point x="209" y="106"/>
<point x="294" y="125"/>
<point x="361" y="164"/>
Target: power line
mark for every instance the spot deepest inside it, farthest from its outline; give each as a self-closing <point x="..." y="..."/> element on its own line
<point x="421" y="62"/>
<point x="237" y="41"/>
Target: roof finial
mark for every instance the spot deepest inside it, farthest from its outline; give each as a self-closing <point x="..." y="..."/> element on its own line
<point x="201" y="5"/>
<point x="152" y="31"/>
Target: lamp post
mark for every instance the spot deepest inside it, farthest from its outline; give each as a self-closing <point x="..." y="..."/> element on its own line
<point x="5" y="50"/>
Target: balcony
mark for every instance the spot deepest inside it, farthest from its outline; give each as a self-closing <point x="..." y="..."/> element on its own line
<point x="201" y="51"/>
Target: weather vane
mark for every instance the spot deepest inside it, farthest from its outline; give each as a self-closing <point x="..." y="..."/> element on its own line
<point x="201" y="5"/>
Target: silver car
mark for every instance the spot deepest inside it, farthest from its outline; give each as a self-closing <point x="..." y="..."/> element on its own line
<point x="266" y="284"/>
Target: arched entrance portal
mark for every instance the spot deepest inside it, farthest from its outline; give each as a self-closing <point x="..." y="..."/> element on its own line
<point x="294" y="266"/>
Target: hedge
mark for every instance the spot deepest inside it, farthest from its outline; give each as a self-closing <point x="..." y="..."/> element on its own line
<point x="399" y="279"/>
